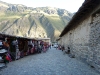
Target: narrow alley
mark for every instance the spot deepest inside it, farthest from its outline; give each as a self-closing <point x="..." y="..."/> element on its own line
<point x="53" y="62"/>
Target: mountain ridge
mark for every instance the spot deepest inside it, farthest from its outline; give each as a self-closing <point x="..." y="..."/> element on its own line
<point x="41" y="22"/>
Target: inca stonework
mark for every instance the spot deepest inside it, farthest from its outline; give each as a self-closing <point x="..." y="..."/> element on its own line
<point x="82" y="34"/>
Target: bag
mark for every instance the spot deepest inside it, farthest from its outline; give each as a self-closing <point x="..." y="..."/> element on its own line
<point x="7" y="58"/>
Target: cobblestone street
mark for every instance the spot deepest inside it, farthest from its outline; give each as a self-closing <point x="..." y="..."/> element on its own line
<point x="53" y="62"/>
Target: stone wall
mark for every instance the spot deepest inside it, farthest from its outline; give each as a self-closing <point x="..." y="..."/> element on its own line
<point x="84" y="40"/>
<point x="66" y="41"/>
<point x="95" y="42"/>
<point x="80" y="39"/>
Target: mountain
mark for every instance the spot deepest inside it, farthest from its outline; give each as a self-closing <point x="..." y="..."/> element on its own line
<point x="41" y="22"/>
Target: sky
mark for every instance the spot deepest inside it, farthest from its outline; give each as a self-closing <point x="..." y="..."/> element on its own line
<point x="69" y="5"/>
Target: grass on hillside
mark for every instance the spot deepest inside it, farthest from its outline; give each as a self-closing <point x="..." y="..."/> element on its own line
<point x="56" y="22"/>
<point x="10" y="16"/>
<point x="2" y="27"/>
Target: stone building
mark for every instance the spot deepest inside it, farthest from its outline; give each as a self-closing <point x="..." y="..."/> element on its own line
<point x="82" y="34"/>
